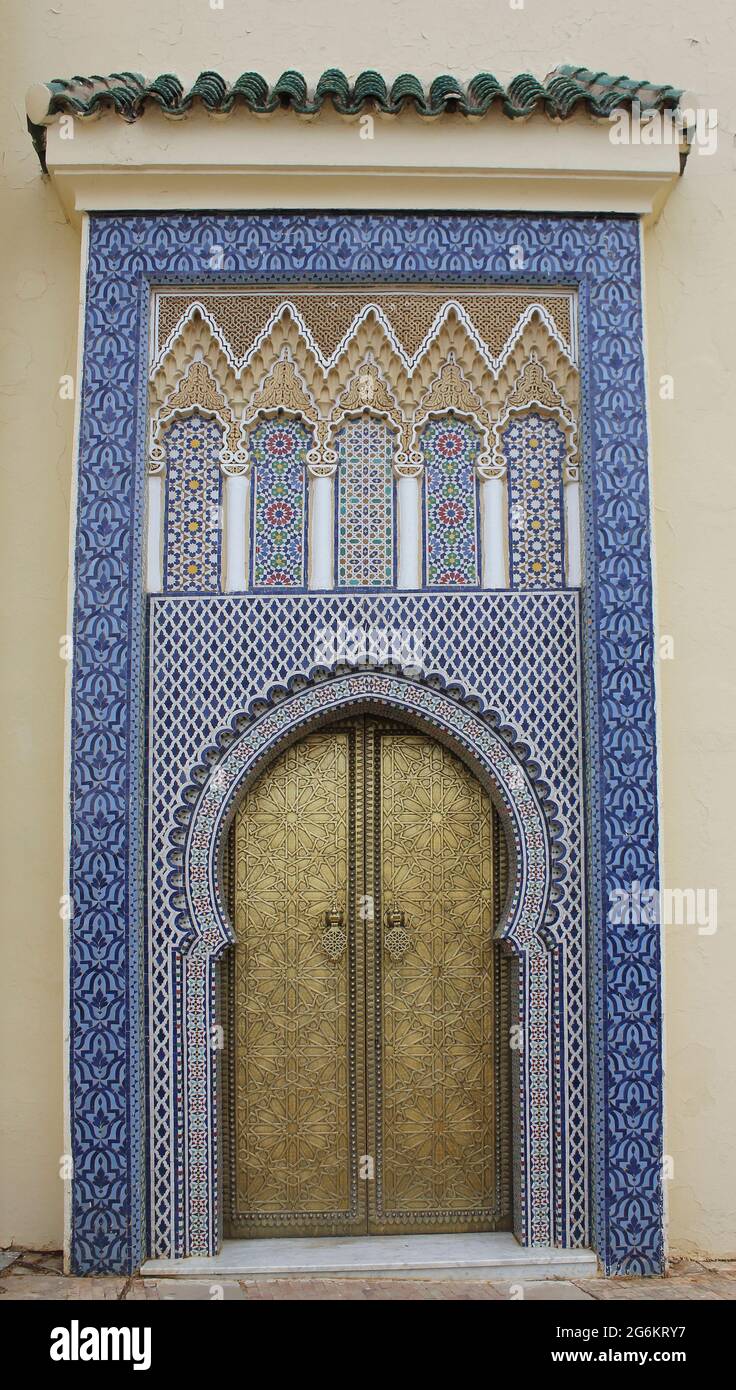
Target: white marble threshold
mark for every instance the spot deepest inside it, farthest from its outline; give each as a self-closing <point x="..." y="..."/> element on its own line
<point x="485" y="1255"/>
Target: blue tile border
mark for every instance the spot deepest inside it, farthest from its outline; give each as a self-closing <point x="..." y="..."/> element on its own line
<point x="601" y="258"/>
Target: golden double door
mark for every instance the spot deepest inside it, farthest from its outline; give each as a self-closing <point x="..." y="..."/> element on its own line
<point x="366" y="1085"/>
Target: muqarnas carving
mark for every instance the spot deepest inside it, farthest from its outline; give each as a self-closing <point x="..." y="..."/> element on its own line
<point x="368" y="388"/>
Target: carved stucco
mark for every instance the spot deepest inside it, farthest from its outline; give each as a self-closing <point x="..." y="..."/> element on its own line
<point x="382" y="362"/>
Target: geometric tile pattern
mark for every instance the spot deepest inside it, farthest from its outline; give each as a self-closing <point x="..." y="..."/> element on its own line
<point x="128" y="254"/>
<point x="192" y="532"/>
<point x="365" y="449"/>
<point x="449" y="449"/>
<point x="223" y="655"/>
<point x="534" y="450"/>
<point x="279" y="448"/>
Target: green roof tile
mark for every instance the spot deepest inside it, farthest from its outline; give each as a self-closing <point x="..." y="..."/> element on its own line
<point x="128" y="94"/>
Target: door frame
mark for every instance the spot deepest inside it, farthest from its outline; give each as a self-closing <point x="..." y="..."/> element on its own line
<point x="112" y="1102"/>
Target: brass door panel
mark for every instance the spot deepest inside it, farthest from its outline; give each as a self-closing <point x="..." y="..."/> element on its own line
<point x="432" y="1104"/>
<point x="365" y="1092"/>
<point x="297" y="1065"/>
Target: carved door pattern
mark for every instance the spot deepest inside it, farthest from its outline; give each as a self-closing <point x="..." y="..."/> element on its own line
<point x="366" y="996"/>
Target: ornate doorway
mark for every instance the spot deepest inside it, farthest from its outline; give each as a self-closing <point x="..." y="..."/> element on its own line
<point x="368" y="1003"/>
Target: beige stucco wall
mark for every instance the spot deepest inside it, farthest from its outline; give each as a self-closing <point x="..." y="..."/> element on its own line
<point x="691" y="289"/>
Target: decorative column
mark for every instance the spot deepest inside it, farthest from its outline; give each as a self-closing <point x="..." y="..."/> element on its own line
<point x="155" y="484"/>
<point x="493" y="509"/>
<point x="571" y="492"/>
<point x="236" y="500"/>
<point x="408" y="470"/>
<point x="321" y="468"/>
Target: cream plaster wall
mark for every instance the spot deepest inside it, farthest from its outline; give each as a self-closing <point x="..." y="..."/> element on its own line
<point x="691" y="294"/>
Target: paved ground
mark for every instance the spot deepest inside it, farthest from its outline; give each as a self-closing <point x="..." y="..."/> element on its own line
<point x="33" y="1274"/>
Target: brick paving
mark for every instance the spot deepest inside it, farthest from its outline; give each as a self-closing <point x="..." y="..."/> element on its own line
<point x="28" y="1274"/>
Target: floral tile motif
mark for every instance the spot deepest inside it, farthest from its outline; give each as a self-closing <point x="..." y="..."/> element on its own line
<point x="450" y="448"/>
<point x="278" y="449"/>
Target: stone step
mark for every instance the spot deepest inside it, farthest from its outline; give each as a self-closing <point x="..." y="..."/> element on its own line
<point x="485" y="1255"/>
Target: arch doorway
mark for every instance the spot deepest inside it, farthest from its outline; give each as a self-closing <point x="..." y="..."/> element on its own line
<point x="368" y="1061"/>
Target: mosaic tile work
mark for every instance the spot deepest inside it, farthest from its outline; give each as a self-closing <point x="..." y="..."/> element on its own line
<point x="278" y="449"/>
<point x="449" y="449"/>
<point x="220" y="655"/>
<point x="192" y="544"/>
<point x="534" y="451"/>
<point x="365" y="503"/>
<point x="600" y="258"/>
